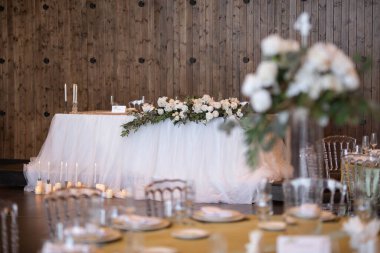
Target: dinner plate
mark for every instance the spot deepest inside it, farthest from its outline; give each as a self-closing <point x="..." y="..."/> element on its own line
<point x="235" y="216"/>
<point x="159" y="250"/>
<point x="124" y="225"/>
<point x="272" y="225"/>
<point x="105" y="235"/>
<point x="190" y="234"/>
<point x="328" y="216"/>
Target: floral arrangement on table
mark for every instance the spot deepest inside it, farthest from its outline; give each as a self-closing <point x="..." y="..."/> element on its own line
<point x="321" y="80"/>
<point x="199" y="110"/>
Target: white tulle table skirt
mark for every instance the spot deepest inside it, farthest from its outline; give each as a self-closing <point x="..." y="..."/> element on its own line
<point x="213" y="160"/>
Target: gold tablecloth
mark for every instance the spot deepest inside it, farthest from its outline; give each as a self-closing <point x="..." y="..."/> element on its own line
<point x="235" y="234"/>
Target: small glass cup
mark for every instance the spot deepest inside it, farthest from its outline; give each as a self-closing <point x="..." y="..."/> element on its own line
<point x="263" y="201"/>
<point x="365" y="144"/>
<point x="373" y="141"/>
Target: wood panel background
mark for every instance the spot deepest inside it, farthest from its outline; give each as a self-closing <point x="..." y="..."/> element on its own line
<point x="154" y="47"/>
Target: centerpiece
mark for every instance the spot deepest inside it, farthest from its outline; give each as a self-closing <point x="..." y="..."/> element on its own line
<point x="196" y="109"/>
<point x="297" y="90"/>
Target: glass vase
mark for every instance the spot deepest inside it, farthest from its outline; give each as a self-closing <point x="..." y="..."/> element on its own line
<point x="305" y="142"/>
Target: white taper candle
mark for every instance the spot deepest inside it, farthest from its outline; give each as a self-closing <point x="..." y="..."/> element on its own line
<point x="60" y="172"/>
<point x="65" y="93"/>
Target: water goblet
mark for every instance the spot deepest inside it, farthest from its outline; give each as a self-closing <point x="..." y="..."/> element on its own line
<point x="373" y="141"/>
<point x="365" y="144"/>
<point x="263" y="200"/>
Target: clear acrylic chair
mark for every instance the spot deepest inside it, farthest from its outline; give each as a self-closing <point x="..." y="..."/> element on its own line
<point x="9" y="234"/>
<point x="162" y="195"/>
<point x="362" y="176"/>
<point x="333" y="146"/>
<point x="70" y="205"/>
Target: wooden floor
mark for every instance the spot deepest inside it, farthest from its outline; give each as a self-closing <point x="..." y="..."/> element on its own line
<point x="32" y="221"/>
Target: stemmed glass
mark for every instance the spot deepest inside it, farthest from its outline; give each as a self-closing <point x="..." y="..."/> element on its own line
<point x="365" y="144"/>
<point x="373" y="141"/>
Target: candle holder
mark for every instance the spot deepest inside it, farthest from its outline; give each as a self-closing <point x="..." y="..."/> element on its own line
<point x="75" y="108"/>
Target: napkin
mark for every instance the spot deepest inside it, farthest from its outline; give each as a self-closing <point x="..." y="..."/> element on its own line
<point x="137" y="220"/>
<point x="50" y="247"/>
<point x="212" y="211"/>
<point x="363" y="236"/>
<point x="253" y="246"/>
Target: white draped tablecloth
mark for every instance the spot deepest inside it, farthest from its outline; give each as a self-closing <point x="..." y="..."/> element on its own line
<point x="213" y="160"/>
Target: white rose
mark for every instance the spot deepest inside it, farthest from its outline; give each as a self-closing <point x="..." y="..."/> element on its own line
<point x="341" y="64"/>
<point x="204" y="108"/>
<point x="147" y="107"/>
<point x="168" y="108"/>
<point x="176" y="118"/>
<point x="217" y="105"/>
<point x="225" y="104"/>
<point x="206" y="98"/>
<point x="267" y="73"/>
<point x="209" y="116"/>
<point x="261" y="101"/>
<point x="351" y="81"/>
<point x="210" y="108"/>
<point x="250" y="84"/>
<point x="229" y="112"/>
<point x="197" y="108"/>
<point x="234" y="105"/>
<point x="215" y="114"/>
<point x="185" y="108"/>
<point x="182" y="115"/>
<point x="271" y="45"/>
<point x="319" y="57"/>
<point x="161" y="102"/>
<point x="160" y="111"/>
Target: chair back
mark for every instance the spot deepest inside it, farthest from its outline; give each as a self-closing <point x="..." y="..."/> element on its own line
<point x="70" y="205"/>
<point x="333" y="146"/>
<point x="161" y="196"/>
<point x="362" y="175"/>
<point x="9" y="228"/>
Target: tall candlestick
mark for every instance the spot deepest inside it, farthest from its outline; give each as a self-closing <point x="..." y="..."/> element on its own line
<point x="60" y="172"/>
<point x="65" y="93"/>
<point x="73" y="93"/>
<point x="48" y="178"/>
<point x="76" y="172"/>
<point x="67" y="172"/>
<point x="39" y="169"/>
<point x="95" y="174"/>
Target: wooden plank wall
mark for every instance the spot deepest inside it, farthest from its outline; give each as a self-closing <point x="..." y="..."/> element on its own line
<point x="151" y="48"/>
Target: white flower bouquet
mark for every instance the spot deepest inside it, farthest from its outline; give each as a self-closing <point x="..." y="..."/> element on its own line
<point x="320" y="79"/>
<point x="199" y="110"/>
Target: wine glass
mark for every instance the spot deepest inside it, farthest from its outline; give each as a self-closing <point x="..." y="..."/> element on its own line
<point x="373" y="141"/>
<point x="365" y="144"/>
<point x="263" y="200"/>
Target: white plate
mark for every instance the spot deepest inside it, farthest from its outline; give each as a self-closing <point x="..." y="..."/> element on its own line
<point x="272" y="225"/>
<point x="328" y="216"/>
<point x="159" y="250"/>
<point x="123" y="225"/>
<point x="190" y="234"/>
<point x="107" y="235"/>
<point x="235" y="216"/>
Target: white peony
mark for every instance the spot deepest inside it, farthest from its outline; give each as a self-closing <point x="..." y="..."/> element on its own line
<point x="210" y="108"/>
<point x="274" y="44"/>
<point x="197" y="108"/>
<point x="250" y="84"/>
<point x="229" y="112"/>
<point x="225" y="104"/>
<point x="206" y="98"/>
<point x="267" y="73"/>
<point x="204" y="108"/>
<point x="147" y="107"/>
<point x="176" y="118"/>
<point x="234" y="105"/>
<point x="216" y="105"/>
<point x="161" y="102"/>
<point x="168" y="108"/>
<point x="215" y="114"/>
<point x="160" y="111"/>
<point x="209" y="116"/>
<point x="319" y="57"/>
<point x="261" y="100"/>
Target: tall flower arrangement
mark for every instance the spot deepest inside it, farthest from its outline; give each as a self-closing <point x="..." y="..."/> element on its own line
<point x="321" y="80"/>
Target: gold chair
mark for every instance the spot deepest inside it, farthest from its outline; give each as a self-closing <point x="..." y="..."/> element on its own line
<point x="333" y="146"/>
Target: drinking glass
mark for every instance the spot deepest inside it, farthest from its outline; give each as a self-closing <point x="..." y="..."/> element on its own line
<point x="373" y="141"/>
<point x="365" y="144"/>
<point x="263" y="201"/>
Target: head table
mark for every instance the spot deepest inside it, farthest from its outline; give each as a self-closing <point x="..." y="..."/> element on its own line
<point x="204" y="154"/>
<point x="235" y="235"/>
